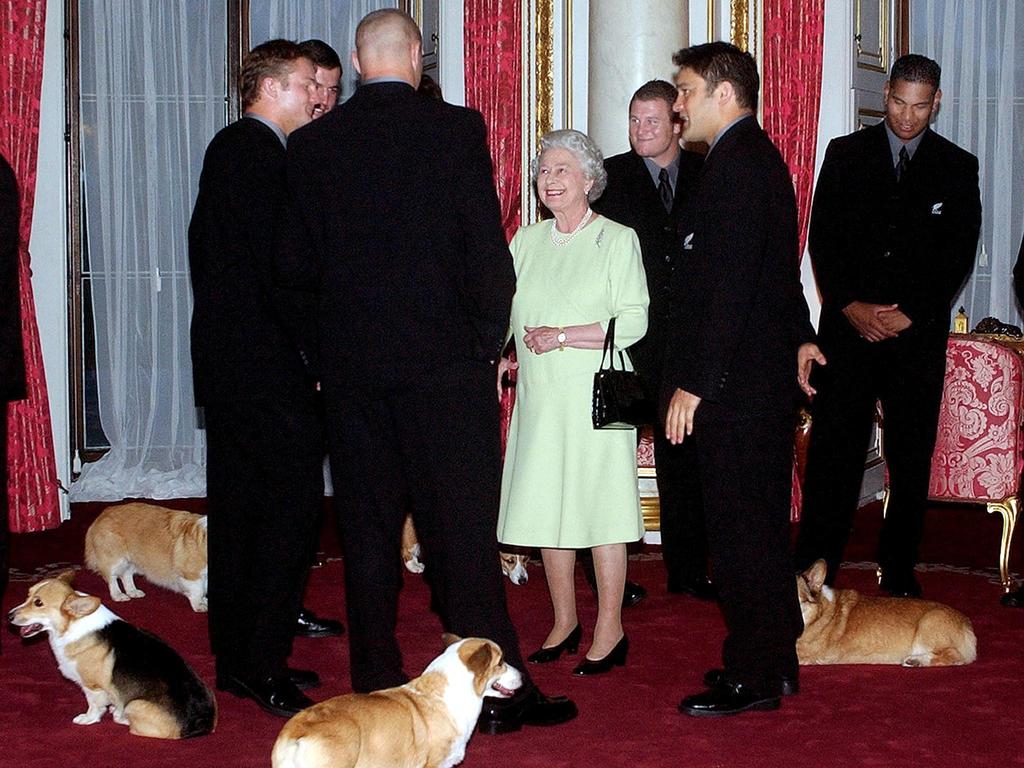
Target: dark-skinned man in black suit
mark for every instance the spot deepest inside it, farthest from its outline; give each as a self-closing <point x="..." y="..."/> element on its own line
<point x="399" y="243"/>
<point x="739" y="336"/>
<point x="648" y="189"/>
<point x="12" y="356"/>
<point x="263" y="431"/>
<point x="894" y="228"/>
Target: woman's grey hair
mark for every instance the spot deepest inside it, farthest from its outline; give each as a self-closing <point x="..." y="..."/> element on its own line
<point x="583" y="147"/>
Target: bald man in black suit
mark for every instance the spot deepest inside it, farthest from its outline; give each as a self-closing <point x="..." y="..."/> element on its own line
<point x="397" y="238"/>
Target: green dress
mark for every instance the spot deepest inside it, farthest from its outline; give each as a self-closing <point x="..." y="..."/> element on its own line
<point x="566" y="484"/>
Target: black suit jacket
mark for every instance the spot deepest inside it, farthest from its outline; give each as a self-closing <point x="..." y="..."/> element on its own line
<point x="871" y="241"/>
<point x="738" y="310"/>
<point x="396" y="236"/>
<point x="240" y="347"/>
<point x="631" y="198"/>
<point x="1018" y="275"/>
<point x="12" y="356"/>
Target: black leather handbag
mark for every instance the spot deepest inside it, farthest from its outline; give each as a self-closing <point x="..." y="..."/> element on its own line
<point x="620" y="401"/>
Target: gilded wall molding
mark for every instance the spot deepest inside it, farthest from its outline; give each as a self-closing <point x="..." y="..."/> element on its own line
<point x="545" y="32"/>
<point x="739" y="24"/>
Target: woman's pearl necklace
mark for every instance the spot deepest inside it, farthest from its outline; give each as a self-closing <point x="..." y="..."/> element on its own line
<point x="564" y="238"/>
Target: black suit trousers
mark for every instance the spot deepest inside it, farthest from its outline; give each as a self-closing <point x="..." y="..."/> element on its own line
<point x="905" y="375"/>
<point x="684" y="546"/>
<point x="265" y="493"/>
<point x="435" y="450"/>
<point x="5" y="533"/>
<point x="745" y="475"/>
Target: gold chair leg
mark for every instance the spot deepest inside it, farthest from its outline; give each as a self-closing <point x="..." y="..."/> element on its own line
<point x="1008" y="508"/>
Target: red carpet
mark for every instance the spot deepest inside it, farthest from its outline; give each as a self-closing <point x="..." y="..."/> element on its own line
<point x="844" y="716"/>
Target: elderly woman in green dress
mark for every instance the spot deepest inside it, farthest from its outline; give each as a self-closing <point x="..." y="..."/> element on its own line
<point x="567" y="486"/>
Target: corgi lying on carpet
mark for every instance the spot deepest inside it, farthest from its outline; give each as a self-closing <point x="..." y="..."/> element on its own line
<point x="841" y="626"/>
<point x="167" y="546"/>
<point x="144" y="682"/>
<point x="425" y="723"/>
<point x="512" y="565"/>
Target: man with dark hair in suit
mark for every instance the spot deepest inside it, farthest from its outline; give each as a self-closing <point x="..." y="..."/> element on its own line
<point x="12" y="356"/>
<point x="264" y="438"/>
<point x="894" y="228"/>
<point x="328" y="74"/>
<point x="1015" y="599"/>
<point x="648" y="189"/>
<point x="739" y="335"/>
<point x="398" y="240"/>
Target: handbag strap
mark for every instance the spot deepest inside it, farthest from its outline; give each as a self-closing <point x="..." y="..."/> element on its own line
<point x="609" y="347"/>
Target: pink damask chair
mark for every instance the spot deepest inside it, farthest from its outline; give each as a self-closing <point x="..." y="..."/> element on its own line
<point x="978" y="454"/>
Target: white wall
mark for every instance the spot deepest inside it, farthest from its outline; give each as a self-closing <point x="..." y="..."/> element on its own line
<point x="48" y="244"/>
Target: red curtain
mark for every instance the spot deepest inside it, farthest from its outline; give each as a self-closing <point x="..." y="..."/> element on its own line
<point x="493" y="56"/>
<point x="33" y="487"/>
<point x="794" y="33"/>
<point x="793" y="37"/>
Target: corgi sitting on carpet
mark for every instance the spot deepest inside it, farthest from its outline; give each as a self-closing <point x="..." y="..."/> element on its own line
<point x="167" y="546"/>
<point x="425" y="723"/>
<point x="512" y="565"/>
<point x="144" y="682"/>
<point x="842" y="626"/>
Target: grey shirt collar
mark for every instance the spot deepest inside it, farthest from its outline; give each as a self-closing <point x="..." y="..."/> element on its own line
<point x="655" y="170"/>
<point x="386" y="79"/>
<point x="271" y="125"/>
<point x="896" y="143"/>
<point x="722" y="132"/>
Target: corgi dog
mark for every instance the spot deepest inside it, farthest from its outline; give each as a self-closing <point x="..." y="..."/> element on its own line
<point x="841" y="626"/>
<point x="512" y="565"/>
<point x="425" y="723"/>
<point x="167" y="546"/>
<point x="145" y="683"/>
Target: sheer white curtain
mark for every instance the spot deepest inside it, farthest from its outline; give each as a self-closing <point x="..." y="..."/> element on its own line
<point x="152" y="96"/>
<point x="980" y="46"/>
<point x="332" y="21"/>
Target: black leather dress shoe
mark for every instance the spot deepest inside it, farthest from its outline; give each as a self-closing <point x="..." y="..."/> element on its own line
<point x="699" y="587"/>
<point x="616" y="657"/>
<point x="728" y="699"/>
<point x="273" y="694"/>
<point x="900" y="585"/>
<point x="715" y="677"/>
<point x="310" y="625"/>
<point x="528" y="708"/>
<point x="1014" y="599"/>
<point x="303" y="679"/>
<point x="632" y="594"/>
<point x="570" y="645"/>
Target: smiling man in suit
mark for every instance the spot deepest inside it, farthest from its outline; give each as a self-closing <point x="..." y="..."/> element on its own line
<point x="894" y="229"/>
<point x="398" y="242"/>
<point x="739" y="327"/>
<point x="648" y="189"/>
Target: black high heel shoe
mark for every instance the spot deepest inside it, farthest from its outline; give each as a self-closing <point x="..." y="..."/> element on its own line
<point x="615" y="658"/>
<point x="570" y="645"/>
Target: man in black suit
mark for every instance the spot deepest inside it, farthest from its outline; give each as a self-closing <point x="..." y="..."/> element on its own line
<point x="399" y="242"/>
<point x="264" y="439"/>
<point x="894" y="228"/>
<point x="739" y="325"/>
<point x="12" y="356"/>
<point x="648" y="189"/>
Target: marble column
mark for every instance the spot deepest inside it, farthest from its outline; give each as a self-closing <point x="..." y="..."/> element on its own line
<point x="630" y="43"/>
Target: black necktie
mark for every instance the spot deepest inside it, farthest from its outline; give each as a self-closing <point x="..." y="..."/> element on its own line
<point x="665" y="190"/>
<point x="901" y="166"/>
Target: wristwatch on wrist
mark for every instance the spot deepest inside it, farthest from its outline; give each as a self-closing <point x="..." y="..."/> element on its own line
<point x="561" y="339"/>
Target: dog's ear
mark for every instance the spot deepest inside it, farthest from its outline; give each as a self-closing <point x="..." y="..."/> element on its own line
<point x="449" y="639"/>
<point x="481" y="660"/>
<point x="67" y="576"/>
<point x="815" y="576"/>
<point x="80" y="605"/>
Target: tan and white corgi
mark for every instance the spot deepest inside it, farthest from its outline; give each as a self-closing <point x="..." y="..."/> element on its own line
<point x="512" y="565"/>
<point x="167" y="546"/>
<point x="842" y="626"/>
<point x="144" y="682"/>
<point x="425" y="723"/>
